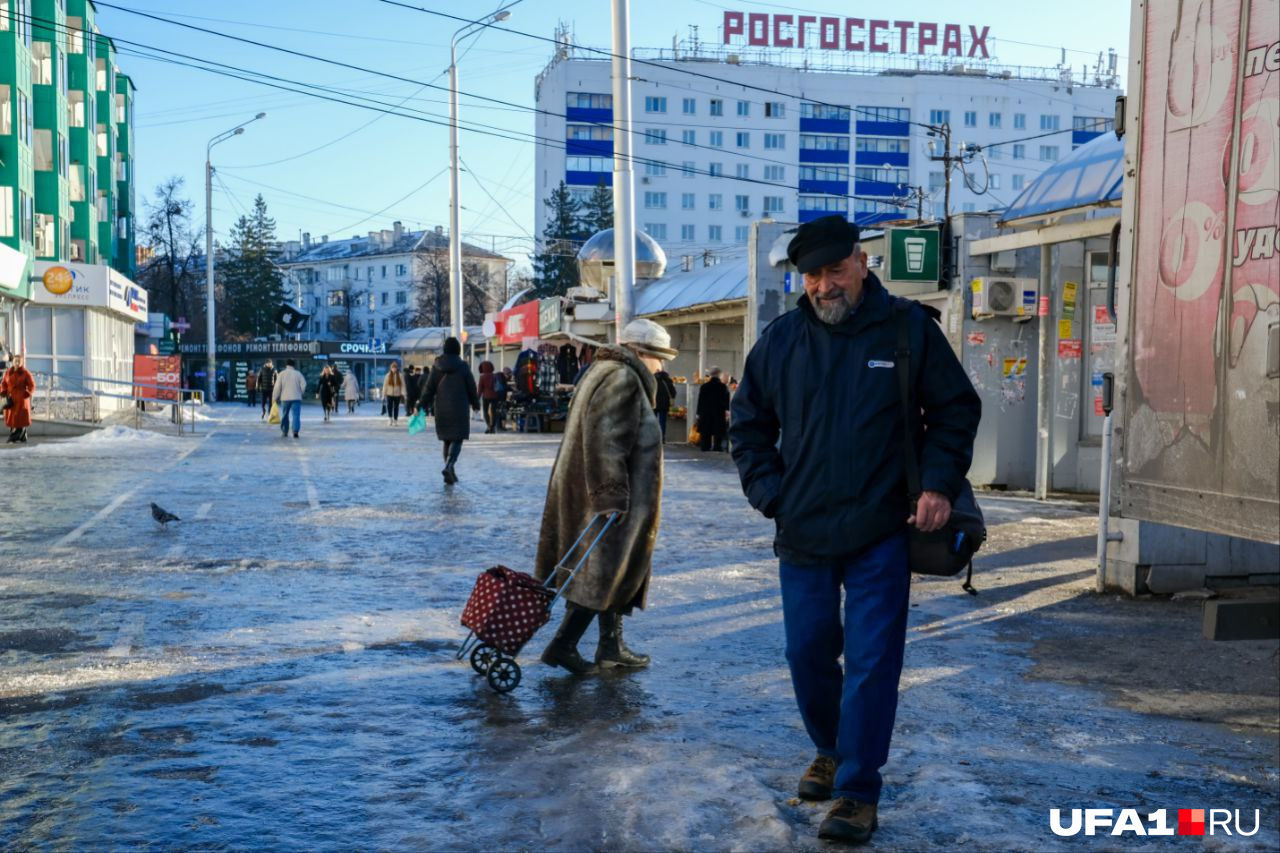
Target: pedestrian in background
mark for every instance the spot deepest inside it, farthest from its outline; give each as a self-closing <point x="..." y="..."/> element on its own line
<point x="713" y="413"/>
<point x="351" y="390"/>
<point x="330" y="382"/>
<point x="17" y="385"/>
<point x="289" y="388"/>
<point x="393" y="391"/>
<point x="451" y="389"/>
<point x="412" y="389"/>
<point x="662" y="405"/>
<point x="251" y="386"/>
<point x="489" y="395"/>
<point x="610" y="461"/>
<point x="266" y="383"/>
<point x="825" y="461"/>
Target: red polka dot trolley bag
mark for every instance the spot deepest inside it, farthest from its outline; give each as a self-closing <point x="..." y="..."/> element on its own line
<point x="506" y="609"/>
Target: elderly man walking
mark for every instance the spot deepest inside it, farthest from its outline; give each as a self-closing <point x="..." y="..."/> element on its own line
<point x="818" y="436"/>
<point x="290" y="386"/>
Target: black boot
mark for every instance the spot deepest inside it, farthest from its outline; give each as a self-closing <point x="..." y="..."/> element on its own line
<point x="22" y="435"/>
<point x="563" y="650"/>
<point x="612" y="651"/>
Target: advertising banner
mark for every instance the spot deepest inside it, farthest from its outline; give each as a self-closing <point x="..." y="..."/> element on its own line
<point x="157" y="370"/>
<point x="519" y="323"/>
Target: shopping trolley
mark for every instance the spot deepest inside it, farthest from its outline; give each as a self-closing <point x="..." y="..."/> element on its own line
<point x="506" y="608"/>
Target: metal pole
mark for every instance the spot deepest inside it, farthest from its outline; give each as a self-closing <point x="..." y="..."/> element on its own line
<point x="624" y="203"/>
<point x="1104" y="485"/>
<point x="1044" y="394"/>
<point x="455" y="239"/>
<point x="208" y="277"/>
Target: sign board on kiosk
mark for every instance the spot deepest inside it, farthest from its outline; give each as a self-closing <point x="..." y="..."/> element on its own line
<point x="150" y="371"/>
<point x="913" y="255"/>
<point x="520" y="322"/>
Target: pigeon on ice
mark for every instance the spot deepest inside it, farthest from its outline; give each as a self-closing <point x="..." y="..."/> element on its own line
<point x="162" y="515"/>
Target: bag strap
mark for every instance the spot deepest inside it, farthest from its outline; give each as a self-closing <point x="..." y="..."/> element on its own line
<point x="902" y="361"/>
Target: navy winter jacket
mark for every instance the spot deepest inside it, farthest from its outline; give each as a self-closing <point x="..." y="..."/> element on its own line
<point x="836" y="481"/>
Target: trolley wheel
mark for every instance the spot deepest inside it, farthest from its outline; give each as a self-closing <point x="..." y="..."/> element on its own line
<point x="504" y="674"/>
<point x="481" y="657"/>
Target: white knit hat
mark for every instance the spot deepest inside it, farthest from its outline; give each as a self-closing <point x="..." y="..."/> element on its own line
<point x="648" y="337"/>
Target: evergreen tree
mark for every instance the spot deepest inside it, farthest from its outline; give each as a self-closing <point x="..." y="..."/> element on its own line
<point x="597" y="211"/>
<point x="555" y="268"/>
<point x="253" y="285"/>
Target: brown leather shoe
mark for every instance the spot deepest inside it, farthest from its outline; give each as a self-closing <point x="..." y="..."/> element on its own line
<point x="817" y="781"/>
<point x="851" y="821"/>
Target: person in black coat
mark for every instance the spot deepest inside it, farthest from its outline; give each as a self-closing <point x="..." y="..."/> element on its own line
<point x="662" y="401"/>
<point x="451" y="388"/>
<point x="826" y="460"/>
<point x="412" y="389"/>
<point x="713" y="413"/>
<point x="266" y="384"/>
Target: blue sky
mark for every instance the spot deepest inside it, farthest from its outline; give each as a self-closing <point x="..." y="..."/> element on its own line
<point x="335" y="169"/>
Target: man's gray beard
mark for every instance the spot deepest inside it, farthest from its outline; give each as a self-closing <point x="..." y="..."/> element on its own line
<point x="832" y="313"/>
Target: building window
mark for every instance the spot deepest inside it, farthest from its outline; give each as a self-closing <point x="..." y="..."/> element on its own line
<point x="971" y="118"/>
<point x="742" y="170"/>
<point x="655" y="104"/>
<point x="1019" y="121"/>
<point x="1049" y="122"/>
<point x="655" y="201"/>
<point x="1019" y="151"/>
<point x="402" y="297"/>
<point x="5" y="15"/>
<point x="656" y="230"/>
<point x="743" y="139"/>
<point x="824" y="173"/>
<point x="43" y="150"/>
<point x="824" y="111"/>
<point x="371" y="327"/>
<point x="76" y="188"/>
<point x="828" y="203"/>
<point x="6" y="109"/>
<point x="688" y="168"/>
<point x="687" y="201"/>
<point x="6" y="211"/>
<point x="715" y="234"/>
<point x="741" y="234"/>
<point x="373" y="302"/>
<point x="773" y="204"/>
<point x="1016" y="182"/>
<point x="402" y="322"/>
<point x="75" y="34"/>
<point x="690" y="106"/>
<point x="46" y="234"/>
<point x="385" y="298"/>
<point x="588" y="101"/>
<point x="882" y="145"/>
<point x="1049" y="153"/>
<point x="655" y="136"/>
<point x="26" y="216"/>
<point x="25" y="118"/>
<point x="386" y="324"/>
<point x="41" y="62"/>
<point x="936" y="181"/>
<point x="715" y="201"/>
<point x="689" y="137"/>
<point x="993" y="182"/>
<point x="336" y="298"/>
<point x="655" y="169"/>
<point x="401" y="269"/>
<point x="75" y="108"/>
<point x="822" y="142"/>
<point x="884" y="176"/>
<point x="775" y="109"/>
<point x="715" y="170"/>
<point x="100" y="74"/>
<point x="597" y="132"/>
<point x="717" y="139"/>
<point x="775" y="141"/>
<point x="102" y="141"/>
<point x="716" y="107"/>
<point x="993" y="121"/>
<point x="939" y="117"/>
<point x="995" y="153"/>
<point x="588" y="164"/>
<point x="686" y="233"/>
<point x="775" y="173"/>
<point x="744" y="108"/>
<point x="742" y="202"/>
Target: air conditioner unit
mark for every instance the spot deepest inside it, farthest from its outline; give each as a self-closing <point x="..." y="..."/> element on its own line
<point x="745" y="213"/>
<point x="1005" y="297"/>
<point x="644" y="180"/>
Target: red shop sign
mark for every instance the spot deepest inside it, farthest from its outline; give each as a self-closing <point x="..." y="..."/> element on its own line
<point x="519" y="323"/>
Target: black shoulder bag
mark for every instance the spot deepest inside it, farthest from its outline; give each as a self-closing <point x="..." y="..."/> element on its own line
<point x="944" y="552"/>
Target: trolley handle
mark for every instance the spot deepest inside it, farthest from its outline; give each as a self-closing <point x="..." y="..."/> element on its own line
<point x="563" y="564"/>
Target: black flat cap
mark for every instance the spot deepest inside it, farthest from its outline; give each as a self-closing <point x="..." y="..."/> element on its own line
<point x="821" y="242"/>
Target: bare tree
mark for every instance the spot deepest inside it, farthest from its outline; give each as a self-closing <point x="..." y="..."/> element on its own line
<point x="431" y="292"/>
<point x="171" y="276"/>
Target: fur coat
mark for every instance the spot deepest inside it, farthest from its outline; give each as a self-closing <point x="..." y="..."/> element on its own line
<point x="19" y="384"/>
<point x="610" y="459"/>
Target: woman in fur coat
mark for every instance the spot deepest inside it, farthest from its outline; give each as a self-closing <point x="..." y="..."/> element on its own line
<point x="610" y="461"/>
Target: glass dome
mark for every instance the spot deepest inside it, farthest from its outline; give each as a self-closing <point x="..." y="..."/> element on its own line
<point x="595" y="259"/>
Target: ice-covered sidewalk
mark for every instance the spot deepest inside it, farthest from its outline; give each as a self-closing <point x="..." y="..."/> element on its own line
<point x="277" y="670"/>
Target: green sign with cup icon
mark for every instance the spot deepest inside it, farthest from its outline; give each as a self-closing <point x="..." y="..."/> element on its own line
<point x="913" y="254"/>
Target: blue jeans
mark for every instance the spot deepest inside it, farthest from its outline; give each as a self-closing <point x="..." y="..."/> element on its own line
<point x="288" y="407"/>
<point x="849" y="714"/>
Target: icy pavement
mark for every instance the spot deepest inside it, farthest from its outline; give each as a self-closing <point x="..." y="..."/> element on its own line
<point x="277" y="670"/>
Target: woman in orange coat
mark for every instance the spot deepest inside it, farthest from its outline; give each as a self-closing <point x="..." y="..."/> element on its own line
<point x="17" y="385"/>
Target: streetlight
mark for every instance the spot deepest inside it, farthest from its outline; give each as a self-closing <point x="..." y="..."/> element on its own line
<point x="211" y="377"/>
<point x="455" y="240"/>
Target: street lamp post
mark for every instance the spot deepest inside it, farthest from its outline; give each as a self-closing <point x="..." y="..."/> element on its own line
<point x="455" y="240"/>
<point x="212" y="369"/>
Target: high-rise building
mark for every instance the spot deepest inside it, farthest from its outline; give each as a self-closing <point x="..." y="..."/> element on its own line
<point x="724" y="135"/>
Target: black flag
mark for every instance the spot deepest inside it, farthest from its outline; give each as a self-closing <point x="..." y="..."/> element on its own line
<point x="291" y="318"/>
